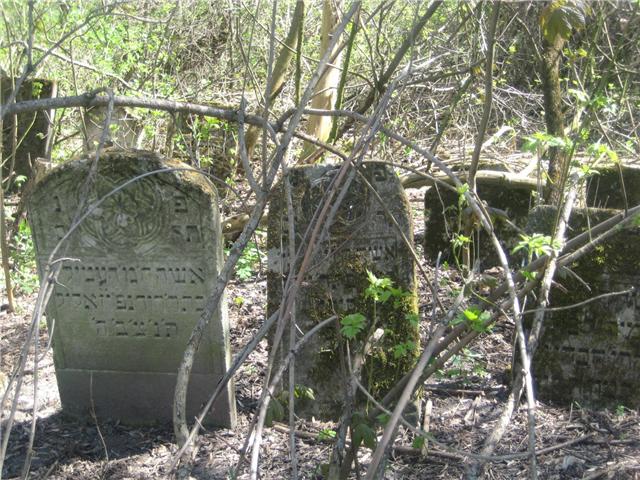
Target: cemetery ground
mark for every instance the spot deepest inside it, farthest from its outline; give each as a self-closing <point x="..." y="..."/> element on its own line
<point x="465" y="399"/>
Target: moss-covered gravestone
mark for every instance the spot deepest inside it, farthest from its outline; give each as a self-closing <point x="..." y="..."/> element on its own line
<point x="445" y="217"/>
<point x="361" y="239"/>
<point x="591" y="354"/>
<point x="34" y="130"/>
<point x="607" y="190"/>
<point x="139" y="270"/>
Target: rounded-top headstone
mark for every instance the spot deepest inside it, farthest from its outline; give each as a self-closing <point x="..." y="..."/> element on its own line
<point x="138" y="270"/>
<point x="362" y="240"/>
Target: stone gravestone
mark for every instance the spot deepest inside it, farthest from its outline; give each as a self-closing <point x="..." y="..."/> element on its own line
<point x="34" y="132"/>
<point x="125" y="131"/>
<point x="605" y="190"/>
<point x="360" y="239"/>
<point x="144" y="262"/>
<point x="444" y="217"/>
<point x="591" y="354"/>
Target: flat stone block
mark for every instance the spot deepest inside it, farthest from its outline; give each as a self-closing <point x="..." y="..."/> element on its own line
<point x="608" y="190"/>
<point x="444" y="218"/>
<point x="591" y="354"/>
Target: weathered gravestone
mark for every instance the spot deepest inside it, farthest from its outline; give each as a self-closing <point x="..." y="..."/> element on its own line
<point x="445" y="217"/>
<point x="145" y="261"/>
<point x="591" y="354"/>
<point x="34" y="132"/>
<point x="125" y="130"/>
<point x="361" y="238"/>
<point x="606" y="190"/>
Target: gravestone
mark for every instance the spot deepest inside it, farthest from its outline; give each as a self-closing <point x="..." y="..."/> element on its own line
<point x="125" y="131"/>
<point x="34" y="130"/>
<point x="142" y="266"/>
<point x="444" y="218"/>
<point x="361" y="238"/>
<point x="606" y="190"/>
<point x="591" y="354"/>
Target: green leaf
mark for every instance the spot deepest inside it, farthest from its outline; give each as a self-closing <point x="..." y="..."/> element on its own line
<point x="413" y="319"/>
<point x="561" y="17"/>
<point x="402" y="349"/>
<point x="383" y="418"/>
<point x="363" y="433"/>
<point x="352" y="325"/>
<point x="275" y="412"/>
<point x="301" y="391"/>
<point x="462" y="189"/>
<point x="326" y="434"/>
<point x="418" y="442"/>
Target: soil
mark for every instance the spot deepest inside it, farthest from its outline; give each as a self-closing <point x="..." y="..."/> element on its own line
<point x="466" y="399"/>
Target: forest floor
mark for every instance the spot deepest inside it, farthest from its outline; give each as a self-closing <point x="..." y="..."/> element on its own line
<point x="466" y="397"/>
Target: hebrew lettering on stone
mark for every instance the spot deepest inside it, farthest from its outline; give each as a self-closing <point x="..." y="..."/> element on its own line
<point x="141" y="267"/>
<point x="361" y="240"/>
<point x="591" y="354"/>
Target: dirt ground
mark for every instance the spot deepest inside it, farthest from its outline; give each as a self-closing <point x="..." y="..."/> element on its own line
<point x="466" y="399"/>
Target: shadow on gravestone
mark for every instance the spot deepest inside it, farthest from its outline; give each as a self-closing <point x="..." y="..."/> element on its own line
<point x="361" y="239"/>
<point x="144" y="262"/>
<point x="591" y="354"/>
<point x="444" y="218"/>
<point x="34" y="133"/>
<point x="606" y="190"/>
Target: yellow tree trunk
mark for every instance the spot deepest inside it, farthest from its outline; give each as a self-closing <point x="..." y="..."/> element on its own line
<point x="289" y="47"/>
<point x="327" y="89"/>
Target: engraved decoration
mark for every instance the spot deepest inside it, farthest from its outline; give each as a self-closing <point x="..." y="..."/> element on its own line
<point x="129" y="220"/>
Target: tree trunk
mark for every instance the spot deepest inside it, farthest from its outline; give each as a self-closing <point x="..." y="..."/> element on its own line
<point x="550" y="73"/>
<point x="325" y="94"/>
<point x="280" y="69"/>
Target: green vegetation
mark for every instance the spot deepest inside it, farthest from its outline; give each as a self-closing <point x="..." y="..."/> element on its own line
<point x="547" y="91"/>
<point x="24" y="262"/>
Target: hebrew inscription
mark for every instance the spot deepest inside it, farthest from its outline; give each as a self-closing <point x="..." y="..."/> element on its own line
<point x="591" y="354"/>
<point x="361" y="238"/>
<point x="141" y="266"/>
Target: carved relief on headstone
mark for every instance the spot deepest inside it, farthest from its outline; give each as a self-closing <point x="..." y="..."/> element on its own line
<point x="591" y="354"/>
<point x="361" y="238"/>
<point x="445" y="217"/>
<point x="141" y="266"/>
<point x="34" y="133"/>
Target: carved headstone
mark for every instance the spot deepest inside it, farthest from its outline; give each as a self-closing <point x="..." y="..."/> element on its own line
<point x="591" y="353"/>
<point x="445" y="217"/>
<point x="140" y="268"/>
<point x="34" y="133"/>
<point x="361" y="238"/>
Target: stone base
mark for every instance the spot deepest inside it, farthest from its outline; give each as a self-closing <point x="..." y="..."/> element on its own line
<point x="138" y="398"/>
